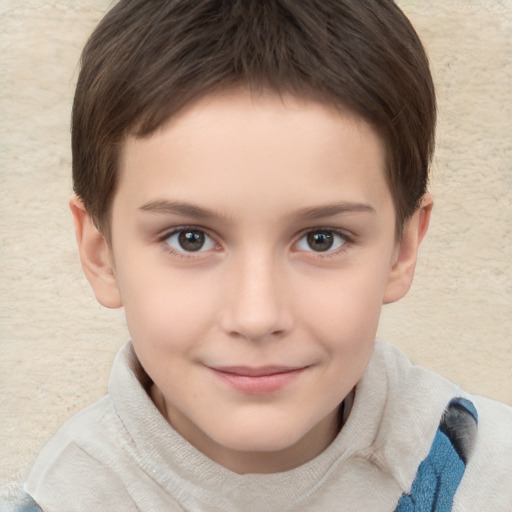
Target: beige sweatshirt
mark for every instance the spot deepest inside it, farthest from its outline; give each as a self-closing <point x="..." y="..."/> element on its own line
<point x="120" y="454"/>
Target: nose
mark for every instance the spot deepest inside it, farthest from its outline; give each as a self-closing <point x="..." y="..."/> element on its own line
<point x="256" y="305"/>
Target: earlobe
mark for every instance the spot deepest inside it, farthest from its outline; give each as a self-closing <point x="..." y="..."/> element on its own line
<point x="402" y="271"/>
<point x="95" y="256"/>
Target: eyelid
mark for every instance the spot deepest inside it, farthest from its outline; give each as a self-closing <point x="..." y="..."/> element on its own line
<point x="182" y="253"/>
<point x="165" y="235"/>
<point x="330" y="252"/>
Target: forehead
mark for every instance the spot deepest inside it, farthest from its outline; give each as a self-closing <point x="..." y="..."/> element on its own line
<point x="235" y="148"/>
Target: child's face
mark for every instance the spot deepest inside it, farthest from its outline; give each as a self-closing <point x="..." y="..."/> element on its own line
<point x="253" y="243"/>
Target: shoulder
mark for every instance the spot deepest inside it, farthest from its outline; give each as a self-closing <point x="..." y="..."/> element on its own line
<point x="87" y="430"/>
<point x="417" y="398"/>
<point x="487" y="482"/>
<point x="78" y="458"/>
<point x="412" y="402"/>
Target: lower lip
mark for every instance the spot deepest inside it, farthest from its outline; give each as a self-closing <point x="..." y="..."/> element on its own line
<point x="262" y="384"/>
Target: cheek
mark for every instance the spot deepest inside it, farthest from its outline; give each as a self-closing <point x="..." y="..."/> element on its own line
<point x="166" y="310"/>
<point x="345" y="311"/>
<point x="344" y="323"/>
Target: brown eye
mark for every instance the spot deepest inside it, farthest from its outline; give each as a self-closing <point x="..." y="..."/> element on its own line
<point x="190" y="240"/>
<point x="320" y="241"/>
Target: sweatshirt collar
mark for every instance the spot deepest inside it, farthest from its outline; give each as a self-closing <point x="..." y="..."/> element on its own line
<point x="192" y="478"/>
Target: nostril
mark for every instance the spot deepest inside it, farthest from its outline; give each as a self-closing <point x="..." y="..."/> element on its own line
<point x="260" y="328"/>
<point x="257" y="335"/>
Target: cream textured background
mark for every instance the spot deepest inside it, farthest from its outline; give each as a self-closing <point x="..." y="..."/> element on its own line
<point x="57" y="344"/>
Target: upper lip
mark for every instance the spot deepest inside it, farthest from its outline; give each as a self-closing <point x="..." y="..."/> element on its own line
<point x="249" y="371"/>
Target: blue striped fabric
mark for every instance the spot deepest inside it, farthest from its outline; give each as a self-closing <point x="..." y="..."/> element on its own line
<point x="440" y="474"/>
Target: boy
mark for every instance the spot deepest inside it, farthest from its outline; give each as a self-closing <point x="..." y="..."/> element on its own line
<point x="251" y="187"/>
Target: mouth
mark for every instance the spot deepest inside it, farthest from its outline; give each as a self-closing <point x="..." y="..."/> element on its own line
<point x="262" y="380"/>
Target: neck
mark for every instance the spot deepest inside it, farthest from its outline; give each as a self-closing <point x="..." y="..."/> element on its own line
<point x="258" y="462"/>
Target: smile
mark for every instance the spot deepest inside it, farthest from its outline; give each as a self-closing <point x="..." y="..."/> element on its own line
<point x="258" y="380"/>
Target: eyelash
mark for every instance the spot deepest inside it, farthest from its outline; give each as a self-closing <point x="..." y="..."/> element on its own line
<point x="348" y="241"/>
<point x="183" y="229"/>
<point x="330" y="253"/>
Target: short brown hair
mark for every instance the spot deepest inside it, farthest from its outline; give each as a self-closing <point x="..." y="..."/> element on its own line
<point x="147" y="59"/>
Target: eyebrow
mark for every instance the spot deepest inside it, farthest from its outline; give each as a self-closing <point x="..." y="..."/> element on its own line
<point x="184" y="209"/>
<point x="165" y="207"/>
<point x="330" y="210"/>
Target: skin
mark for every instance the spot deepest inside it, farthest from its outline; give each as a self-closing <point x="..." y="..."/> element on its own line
<point x="256" y="174"/>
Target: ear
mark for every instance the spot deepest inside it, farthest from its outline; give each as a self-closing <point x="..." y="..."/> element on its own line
<point x="404" y="263"/>
<point x="95" y="256"/>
